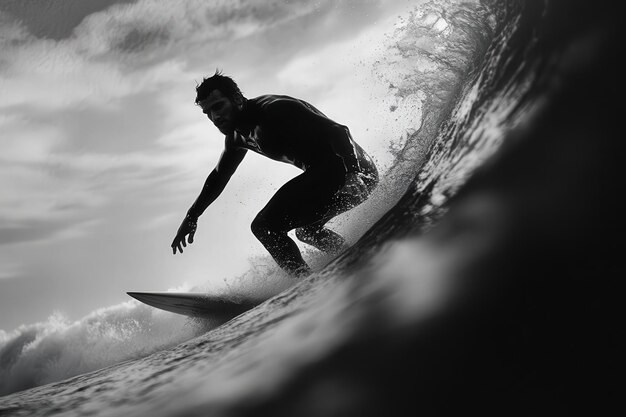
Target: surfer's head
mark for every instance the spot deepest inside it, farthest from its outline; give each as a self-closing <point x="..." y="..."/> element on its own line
<point x="226" y="85"/>
<point x="220" y="99"/>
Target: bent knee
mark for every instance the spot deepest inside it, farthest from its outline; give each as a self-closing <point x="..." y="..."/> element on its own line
<point x="259" y="227"/>
<point x="262" y="228"/>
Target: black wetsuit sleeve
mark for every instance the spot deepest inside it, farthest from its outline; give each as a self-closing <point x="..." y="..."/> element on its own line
<point x="218" y="178"/>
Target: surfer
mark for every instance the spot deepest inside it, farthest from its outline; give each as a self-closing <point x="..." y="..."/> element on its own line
<point x="337" y="173"/>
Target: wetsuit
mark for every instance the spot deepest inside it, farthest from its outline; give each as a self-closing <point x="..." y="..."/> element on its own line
<point x="293" y="131"/>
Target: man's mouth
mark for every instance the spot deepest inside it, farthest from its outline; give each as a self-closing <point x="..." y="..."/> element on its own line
<point x="222" y="126"/>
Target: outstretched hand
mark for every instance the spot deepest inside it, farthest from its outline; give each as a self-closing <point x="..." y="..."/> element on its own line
<point x="185" y="234"/>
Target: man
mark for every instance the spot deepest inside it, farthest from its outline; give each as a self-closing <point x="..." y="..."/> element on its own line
<point x="338" y="174"/>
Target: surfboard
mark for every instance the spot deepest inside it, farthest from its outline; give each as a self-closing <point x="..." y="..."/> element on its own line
<point x="194" y="304"/>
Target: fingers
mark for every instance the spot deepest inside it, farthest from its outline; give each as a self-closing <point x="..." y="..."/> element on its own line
<point x="180" y="242"/>
<point x="177" y="244"/>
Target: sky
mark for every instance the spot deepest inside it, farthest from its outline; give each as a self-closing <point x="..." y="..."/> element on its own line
<point x="103" y="150"/>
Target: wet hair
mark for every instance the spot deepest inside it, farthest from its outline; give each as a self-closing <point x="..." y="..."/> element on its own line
<point x="218" y="81"/>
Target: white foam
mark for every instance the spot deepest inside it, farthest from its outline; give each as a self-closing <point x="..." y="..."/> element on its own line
<point x="58" y="348"/>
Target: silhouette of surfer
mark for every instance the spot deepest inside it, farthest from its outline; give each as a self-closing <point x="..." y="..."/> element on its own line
<point x="338" y="174"/>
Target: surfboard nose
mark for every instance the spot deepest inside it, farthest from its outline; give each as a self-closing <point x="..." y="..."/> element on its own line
<point x="195" y="304"/>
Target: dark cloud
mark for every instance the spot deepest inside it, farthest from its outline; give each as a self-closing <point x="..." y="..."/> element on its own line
<point x="327" y="23"/>
<point x="31" y="232"/>
<point x="137" y="40"/>
<point x="54" y="19"/>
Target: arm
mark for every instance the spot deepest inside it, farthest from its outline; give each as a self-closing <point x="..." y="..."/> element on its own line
<point x="213" y="187"/>
<point x="217" y="180"/>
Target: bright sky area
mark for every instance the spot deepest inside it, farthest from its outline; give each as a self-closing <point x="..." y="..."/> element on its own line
<point x="103" y="149"/>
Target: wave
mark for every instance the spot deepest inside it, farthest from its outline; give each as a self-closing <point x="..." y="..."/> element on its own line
<point x="56" y="349"/>
<point x="504" y="190"/>
<point x="426" y="62"/>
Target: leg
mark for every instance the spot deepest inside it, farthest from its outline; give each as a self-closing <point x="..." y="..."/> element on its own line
<point x="320" y="238"/>
<point x="282" y="248"/>
<point x="325" y="239"/>
<point x="302" y="201"/>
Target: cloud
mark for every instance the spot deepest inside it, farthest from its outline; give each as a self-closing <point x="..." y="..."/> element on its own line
<point x="9" y="270"/>
<point x="53" y="19"/>
<point x="25" y="140"/>
<point x="40" y="231"/>
<point x="124" y="49"/>
<point x="94" y="114"/>
<point x="150" y="29"/>
<point x="103" y="149"/>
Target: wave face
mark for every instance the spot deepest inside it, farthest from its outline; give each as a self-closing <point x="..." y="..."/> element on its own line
<point x="485" y="288"/>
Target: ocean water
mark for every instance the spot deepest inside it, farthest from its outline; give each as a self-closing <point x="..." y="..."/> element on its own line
<point x="483" y="283"/>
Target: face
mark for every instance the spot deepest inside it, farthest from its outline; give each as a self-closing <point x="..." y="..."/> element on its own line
<point x="220" y="110"/>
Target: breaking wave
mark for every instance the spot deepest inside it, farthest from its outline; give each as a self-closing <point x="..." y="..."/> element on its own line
<point x="440" y="72"/>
